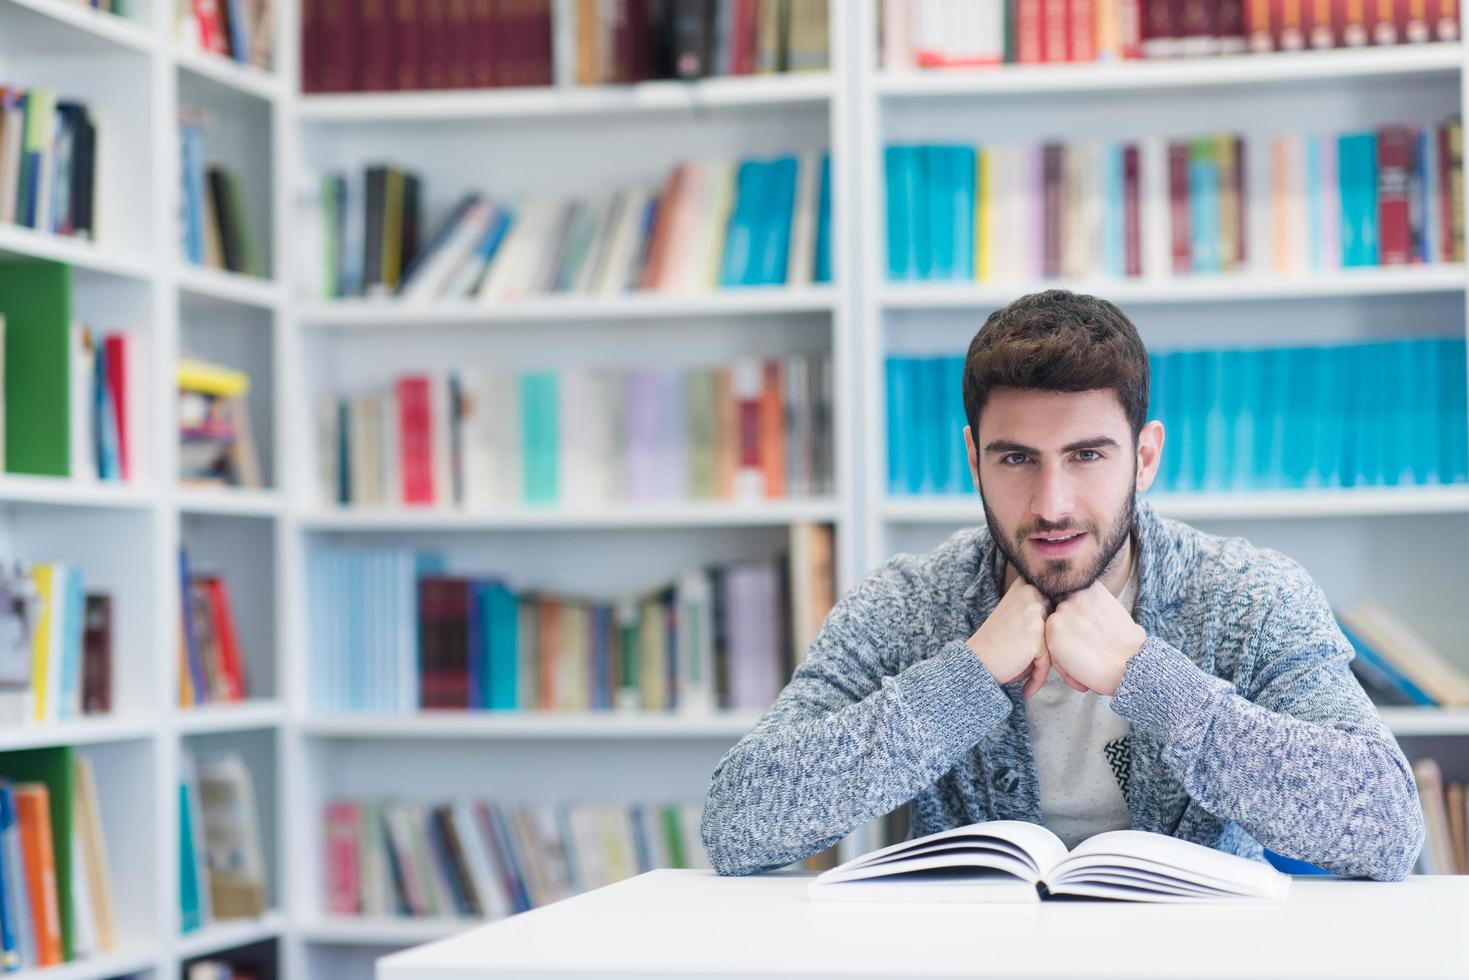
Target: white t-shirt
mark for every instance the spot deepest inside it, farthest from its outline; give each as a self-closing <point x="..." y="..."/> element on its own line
<point x="1078" y="755"/>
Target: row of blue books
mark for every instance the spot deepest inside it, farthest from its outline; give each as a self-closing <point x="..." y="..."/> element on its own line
<point x="1384" y="413"/>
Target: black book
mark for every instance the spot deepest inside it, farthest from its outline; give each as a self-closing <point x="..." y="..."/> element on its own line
<point x="443" y="818"/>
<point x="692" y="23"/>
<point x="372" y="250"/>
<point x="229" y="235"/>
<point x="408" y="241"/>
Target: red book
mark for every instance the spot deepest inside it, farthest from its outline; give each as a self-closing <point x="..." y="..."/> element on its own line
<point x="226" y="637"/>
<point x="1083" y="24"/>
<point x="540" y="66"/>
<point x="1159" y="32"/>
<point x="434" y="72"/>
<point x="773" y="428"/>
<point x="1197" y="27"/>
<point x="1241" y="203"/>
<point x="1052" y="189"/>
<point x="1350" y="19"/>
<point x="376" y="73"/>
<point x="1131" y="14"/>
<point x="339" y="45"/>
<point x="1394" y="158"/>
<point x="549" y="635"/>
<point x="1029" y="49"/>
<point x="1053" y="30"/>
<point x="408" y="31"/>
<point x="415" y="440"/>
<point x="461" y="56"/>
<point x="211" y="26"/>
<point x="311" y="46"/>
<point x="1132" y="215"/>
<point x="116" y="348"/>
<point x="343" y="894"/>
<point x="481" y="43"/>
<point x="1183" y="260"/>
<point x="1444" y="198"/>
<point x="443" y="642"/>
<point x="1229" y="26"/>
<point x="1445" y="20"/>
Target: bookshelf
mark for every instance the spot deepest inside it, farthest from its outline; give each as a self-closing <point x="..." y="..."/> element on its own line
<point x="135" y="75"/>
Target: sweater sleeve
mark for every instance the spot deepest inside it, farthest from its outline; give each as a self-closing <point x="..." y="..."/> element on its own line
<point x="850" y="737"/>
<point x="1300" y="759"/>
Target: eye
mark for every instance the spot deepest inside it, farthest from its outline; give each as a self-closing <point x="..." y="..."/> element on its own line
<point x="1013" y="459"/>
<point x="1088" y="455"/>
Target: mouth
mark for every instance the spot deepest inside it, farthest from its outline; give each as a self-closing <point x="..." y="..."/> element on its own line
<point x="1057" y="544"/>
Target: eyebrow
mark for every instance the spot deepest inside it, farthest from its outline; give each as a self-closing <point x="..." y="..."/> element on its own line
<point x="1093" y="442"/>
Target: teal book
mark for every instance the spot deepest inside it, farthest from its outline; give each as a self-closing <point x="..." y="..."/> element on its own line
<point x="191" y="908"/>
<point x="1315" y="256"/>
<point x="933" y="425"/>
<point x="1270" y="436"/>
<point x="961" y="480"/>
<point x="776" y="254"/>
<point x="921" y="233"/>
<point x="1192" y="405"/>
<point x="538" y="414"/>
<point x="737" y="240"/>
<point x="502" y="619"/>
<point x="1456" y="421"/>
<point x="963" y="167"/>
<point x="1427" y="419"/>
<point x="1171" y="408"/>
<point x="1357" y="177"/>
<point x="1203" y="197"/>
<point x="765" y="195"/>
<point x="822" y="272"/>
<point x="1398" y="445"/>
<point x="1214" y="460"/>
<point x="902" y="265"/>
<point x="1247" y="396"/>
<point x="900" y="423"/>
<point x="1354" y="415"/>
<point x="1330" y="410"/>
<point x="1114" y="246"/>
<point x="35" y="303"/>
<point x="71" y="654"/>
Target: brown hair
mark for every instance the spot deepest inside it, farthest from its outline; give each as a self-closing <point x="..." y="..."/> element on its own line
<point x="1058" y="340"/>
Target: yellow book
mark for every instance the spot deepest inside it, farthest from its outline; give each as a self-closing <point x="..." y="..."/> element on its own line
<point x="1228" y="201"/>
<point x="211" y="379"/>
<point x="186" y="681"/>
<point x="984" y="215"/>
<point x="393" y="229"/>
<point x="47" y="591"/>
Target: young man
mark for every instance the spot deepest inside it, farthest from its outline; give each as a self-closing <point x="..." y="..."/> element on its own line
<point x="1077" y="662"/>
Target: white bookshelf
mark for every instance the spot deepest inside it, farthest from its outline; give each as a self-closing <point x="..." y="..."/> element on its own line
<point x="1408" y="545"/>
<point x="132" y="74"/>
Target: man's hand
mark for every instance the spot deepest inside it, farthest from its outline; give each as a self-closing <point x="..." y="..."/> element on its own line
<point x="1011" y="643"/>
<point x="1092" y="637"/>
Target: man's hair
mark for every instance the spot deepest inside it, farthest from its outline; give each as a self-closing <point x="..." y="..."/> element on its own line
<point x="1058" y="340"/>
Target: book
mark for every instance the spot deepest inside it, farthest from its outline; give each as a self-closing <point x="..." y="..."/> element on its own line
<point x="1017" y="861"/>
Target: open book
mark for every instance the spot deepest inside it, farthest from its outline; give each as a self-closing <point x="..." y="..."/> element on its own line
<point x="1016" y="861"/>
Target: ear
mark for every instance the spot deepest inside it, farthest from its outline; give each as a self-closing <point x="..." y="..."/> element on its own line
<point x="973" y="455"/>
<point x="1149" y="454"/>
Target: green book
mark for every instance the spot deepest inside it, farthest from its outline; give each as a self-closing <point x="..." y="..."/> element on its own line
<point x="235" y="203"/>
<point x="35" y="303"/>
<point x="191" y="909"/>
<point x="53" y="767"/>
<point x="540" y="437"/>
<point x="701" y="439"/>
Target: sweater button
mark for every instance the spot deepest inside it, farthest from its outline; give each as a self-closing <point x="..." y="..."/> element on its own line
<point x="1005" y="780"/>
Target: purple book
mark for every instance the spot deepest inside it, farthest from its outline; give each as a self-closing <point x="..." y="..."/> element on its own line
<point x="673" y="435"/>
<point x="751" y="594"/>
<point x="642" y="429"/>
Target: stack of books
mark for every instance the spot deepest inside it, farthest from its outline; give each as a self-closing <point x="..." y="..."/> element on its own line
<point x="1445" y="821"/>
<point x="56" y="901"/>
<point x="1395" y="664"/>
<point x="634" y="42"/>
<point x="937" y="34"/>
<point x="393" y="633"/>
<point x="48" y="162"/>
<point x="222" y="867"/>
<point x="57" y="663"/>
<point x="243" y="30"/>
<point x="484" y="859"/>
<point x="1155" y="208"/>
<point x="211" y="664"/>
<point x="756" y="430"/>
<point x="377" y="45"/>
<point x="216" y="442"/>
<point x="709" y="225"/>
<point x="216" y="231"/>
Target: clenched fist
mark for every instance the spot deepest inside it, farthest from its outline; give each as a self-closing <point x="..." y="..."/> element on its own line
<point x="1011" y="643"/>
<point x="1092" y="637"/>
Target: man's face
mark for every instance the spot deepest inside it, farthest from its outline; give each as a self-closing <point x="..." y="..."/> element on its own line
<point x="1058" y="471"/>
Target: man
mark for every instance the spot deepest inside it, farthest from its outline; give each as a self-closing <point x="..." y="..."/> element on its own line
<point x="1078" y="662"/>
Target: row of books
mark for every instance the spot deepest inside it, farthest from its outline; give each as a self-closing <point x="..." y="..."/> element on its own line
<point x="377" y="45"/>
<point x="1157" y="208"/>
<point x="215" y="227"/>
<point x="243" y="30"/>
<point x="1445" y="821"/>
<point x="487" y="859"/>
<point x="1394" y="662"/>
<point x="221" y="864"/>
<point x="710" y="224"/>
<point x="216" y="440"/>
<point x="217" y="969"/>
<point x="56" y="903"/>
<point x="633" y="41"/>
<point x="56" y="658"/>
<point x="1386" y="413"/>
<point x="480" y="439"/>
<point x="938" y="34"/>
<point x="48" y="162"/>
<point x="393" y="633"/>
<point x="212" y="669"/>
<point x="69" y="391"/>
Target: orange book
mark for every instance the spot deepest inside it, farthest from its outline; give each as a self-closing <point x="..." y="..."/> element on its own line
<point x="726" y="435"/>
<point x="1278" y="204"/>
<point x="226" y="638"/>
<point x="550" y="643"/>
<point x="33" y="814"/>
<point x="668" y="206"/>
<point x="773" y="429"/>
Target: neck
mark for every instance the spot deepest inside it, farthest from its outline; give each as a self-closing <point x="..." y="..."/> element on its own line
<point x="1114" y="577"/>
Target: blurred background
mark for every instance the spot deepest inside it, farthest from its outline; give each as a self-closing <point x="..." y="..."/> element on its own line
<point x="516" y="385"/>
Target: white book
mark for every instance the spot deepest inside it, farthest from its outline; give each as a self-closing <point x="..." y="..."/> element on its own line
<point x="508" y="451"/>
<point x="1156" y="208"/>
<point x="354" y="232"/>
<point x="710" y="221"/>
<point x="10" y="153"/>
<point x="609" y="217"/>
<point x="802" y="252"/>
<point x="494" y="902"/>
<point x="1018" y="861"/>
<point x="477" y="432"/>
<point x="328" y="433"/>
<point x="573" y="410"/>
<point x="83" y="388"/>
<point x="627" y="238"/>
<point x="311" y="222"/>
<point x="432" y="278"/>
<point x="1259" y="219"/>
<point x="391" y="452"/>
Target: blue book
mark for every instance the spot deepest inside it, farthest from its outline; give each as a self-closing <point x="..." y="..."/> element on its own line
<point x="762" y="217"/>
<point x="920" y="217"/>
<point x="822" y="272"/>
<point x="70" y="698"/>
<point x="1384" y="669"/>
<point x="933" y="425"/>
<point x="1170" y="411"/>
<point x="1315" y="205"/>
<point x="353" y="581"/>
<point x="902" y="259"/>
<point x="1203" y="186"/>
<point x="737" y="239"/>
<point x="501" y="613"/>
<point x="1114" y="224"/>
<point x="785" y="172"/>
<point x="1375" y="373"/>
<point x="1189" y="393"/>
<point x="1270" y="435"/>
<point x="1398" y="378"/>
<point x="10" y="957"/>
<point x="191" y="642"/>
<point x="900" y="423"/>
<point x="239" y="32"/>
<point x="1214" y="460"/>
<point x="961" y="480"/>
<point x="1353" y="415"/>
<point x="1456" y="419"/>
<point x="1244" y="370"/>
<point x="1426" y="420"/>
<point x="1329" y="410"/>
<point x="963" y="167"/>
<point x="1357" y="175"/>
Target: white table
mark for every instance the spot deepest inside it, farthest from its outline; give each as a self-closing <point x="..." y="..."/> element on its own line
<point x="681" y="923"/>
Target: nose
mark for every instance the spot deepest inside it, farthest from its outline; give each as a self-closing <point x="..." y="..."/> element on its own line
<point x="1052" y="499"/>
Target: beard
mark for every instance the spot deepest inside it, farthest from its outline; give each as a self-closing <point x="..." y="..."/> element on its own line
<point x="1057" y="578"/>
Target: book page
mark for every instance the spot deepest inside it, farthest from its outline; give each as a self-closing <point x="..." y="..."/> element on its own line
<point x="1029" y="843"/>
<point x="1171" y="862"/>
